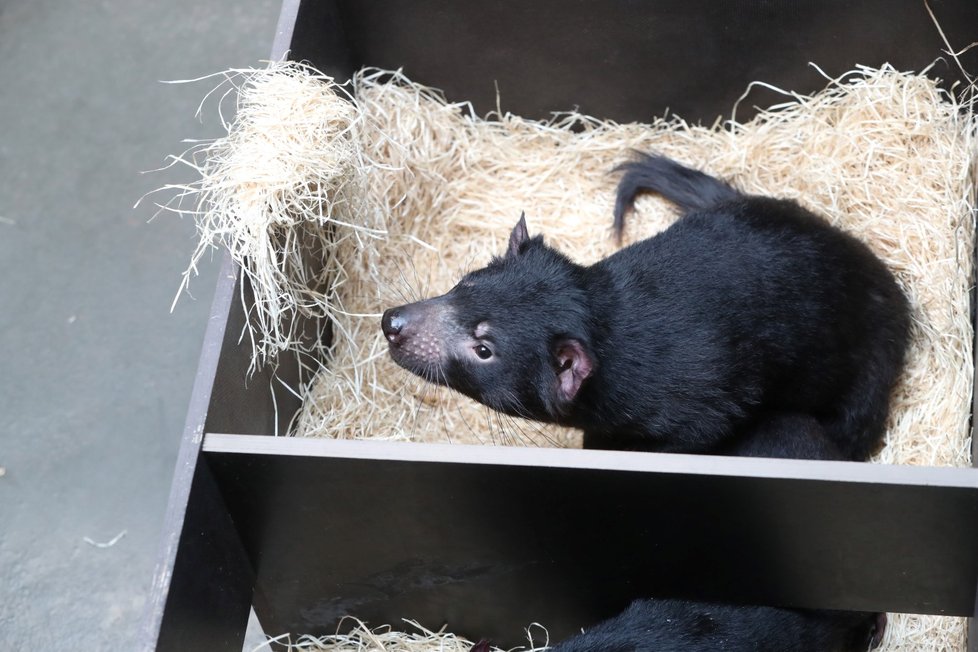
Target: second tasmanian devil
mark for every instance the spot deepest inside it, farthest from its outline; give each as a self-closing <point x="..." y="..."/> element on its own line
<point x="746" y="305"/>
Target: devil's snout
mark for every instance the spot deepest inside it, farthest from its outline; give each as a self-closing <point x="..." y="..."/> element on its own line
<point x="420" y="334"/>
<point x="392" y="324"/>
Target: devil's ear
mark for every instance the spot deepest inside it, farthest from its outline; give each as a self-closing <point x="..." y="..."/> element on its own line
<point x="481" y="646"/>
<point x="518" y="236"/>
<point x="574" y="366"/>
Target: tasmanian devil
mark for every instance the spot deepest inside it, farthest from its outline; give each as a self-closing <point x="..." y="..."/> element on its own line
<point x="679" y="626"/>
<point x="785" y="435"/>
<point x="746" y="305"/>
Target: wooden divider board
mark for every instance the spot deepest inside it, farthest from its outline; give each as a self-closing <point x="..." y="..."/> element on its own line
<point x="490" y="539"/>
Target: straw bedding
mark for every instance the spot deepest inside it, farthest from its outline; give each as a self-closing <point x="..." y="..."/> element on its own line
<point x="414" y="191"/>
<point x="413" y="638"/>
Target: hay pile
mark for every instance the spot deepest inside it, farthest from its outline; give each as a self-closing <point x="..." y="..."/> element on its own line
<point x="362" y="638"/>
<point x="431" y="191"/>
<point x="270" y="192"/>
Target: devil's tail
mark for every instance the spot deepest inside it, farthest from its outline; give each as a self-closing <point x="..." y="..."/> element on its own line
<point x="689" y="189"/>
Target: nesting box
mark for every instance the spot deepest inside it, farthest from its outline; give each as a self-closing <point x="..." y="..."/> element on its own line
<point x="489" y="539"/>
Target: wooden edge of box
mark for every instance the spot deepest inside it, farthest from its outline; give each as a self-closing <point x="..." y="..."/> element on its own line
<point x="836" y="540"/>
<point x="284" y="29"/>
<point x="188" y="453"/>
<point x="973" y="311"/>
<point x="856" y="472"/>
<point x="192" y="438"/>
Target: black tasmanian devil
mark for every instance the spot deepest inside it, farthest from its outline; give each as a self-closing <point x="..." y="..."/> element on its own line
<point x="745" y="306"/>
<point x="678" y="626"/>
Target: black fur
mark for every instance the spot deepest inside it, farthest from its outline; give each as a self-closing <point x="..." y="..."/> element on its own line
<point x="690" y="190"/>
<point x="679" y="626"/>
<point x="746" y="306"/>
<point x="784" y="435"/>
<point x="774" y="434"/>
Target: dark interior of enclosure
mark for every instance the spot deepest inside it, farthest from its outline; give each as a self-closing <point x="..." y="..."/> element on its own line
<point x="488" y="548"/>
<point x="629" y="60"/>
<point x="250" y="404"/>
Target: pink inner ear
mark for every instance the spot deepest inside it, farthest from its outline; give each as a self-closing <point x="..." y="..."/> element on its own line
<point x="574" y="366"/>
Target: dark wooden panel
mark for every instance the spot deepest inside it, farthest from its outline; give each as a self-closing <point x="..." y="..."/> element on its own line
<point x="181" y="501"/>
<point x="973" y="632"/>
<point x="257" y="404"/>
<point x="628" y="59"/>
<point x="320" y="37"/>
<point x="210" y="589"/>
<point x="565" y="537"/>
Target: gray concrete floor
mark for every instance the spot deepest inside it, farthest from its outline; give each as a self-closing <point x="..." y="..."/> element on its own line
<point x="96" y="373"/>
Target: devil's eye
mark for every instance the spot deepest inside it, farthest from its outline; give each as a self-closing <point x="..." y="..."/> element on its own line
<point x="483" y="351"/>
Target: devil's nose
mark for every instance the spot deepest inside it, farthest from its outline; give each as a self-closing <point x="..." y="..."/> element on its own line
<point x="392" y="322"/>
